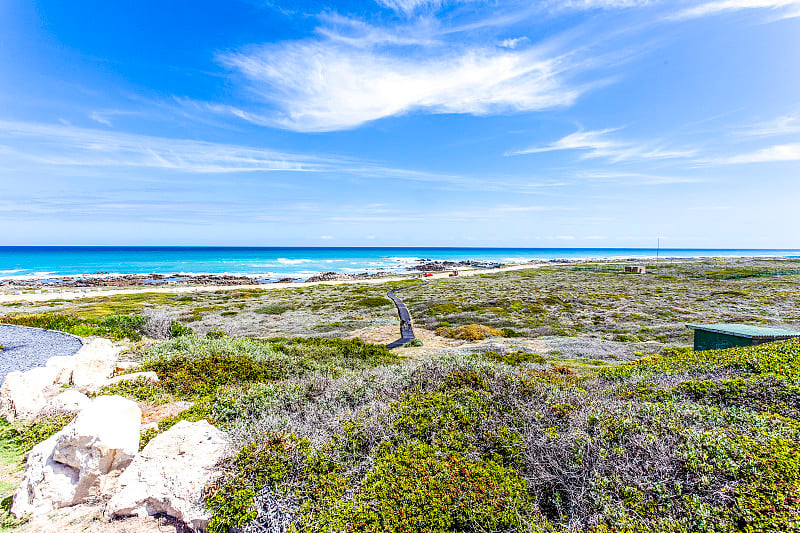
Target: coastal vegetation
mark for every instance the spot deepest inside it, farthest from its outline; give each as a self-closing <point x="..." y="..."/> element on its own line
<point x="555" y="399"/>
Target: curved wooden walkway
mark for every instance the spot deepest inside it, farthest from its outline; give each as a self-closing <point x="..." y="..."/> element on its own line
<point x="406" y="330"/>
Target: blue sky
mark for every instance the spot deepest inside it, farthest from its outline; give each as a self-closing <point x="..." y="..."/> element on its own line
<point x="601" y="123"/>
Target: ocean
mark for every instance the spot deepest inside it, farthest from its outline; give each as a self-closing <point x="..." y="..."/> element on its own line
<point x="271" y="263"/>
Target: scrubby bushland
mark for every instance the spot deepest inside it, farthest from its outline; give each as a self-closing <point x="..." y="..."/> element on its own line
<point x="114" y="326"/>
<point x="193" y="365"/>
<point x="226" y="377"/>
<point x="684" y="441"/>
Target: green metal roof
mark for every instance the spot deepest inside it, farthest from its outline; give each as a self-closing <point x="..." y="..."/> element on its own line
<point x="750" y="332"/>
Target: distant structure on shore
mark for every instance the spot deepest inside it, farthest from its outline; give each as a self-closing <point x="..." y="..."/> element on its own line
<point x="636" y="269"/>
<point x="719" y="336"/>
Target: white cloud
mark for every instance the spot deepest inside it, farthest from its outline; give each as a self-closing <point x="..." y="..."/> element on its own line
<point x="596" y="144"/>
<point x="513" y="43"/>
<point x="785" y="8"/>
<point x="325" y="86"/>
<point x="772" y="154"/>
<point x="408" y="7"/>
<point x="97" y="117"/>
<point x="638" y="178"/>
<point x="26" y="145"/>
<point x="785" y="125"/>
<point x="600" y="4"/>
<point x="61" y="145"/>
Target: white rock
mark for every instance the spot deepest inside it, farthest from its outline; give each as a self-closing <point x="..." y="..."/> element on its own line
<point x="82" y="460"/>
<point x="169" y="475"/>
<point x="65" y="365"/>
<point x="148" y="376"/>
<point x="24" y="394"/>
<point x="94" y="364"/>
<point x="70" y="401"/>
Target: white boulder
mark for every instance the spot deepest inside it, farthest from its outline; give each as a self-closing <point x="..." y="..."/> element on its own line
<point x="69" y="401"/>
<point x="82" y="460"/>
<point x="169" y="475"/>
<point x="94" y="364"/>
<point x="24" y="394"/>
<point x="65" y="365"/>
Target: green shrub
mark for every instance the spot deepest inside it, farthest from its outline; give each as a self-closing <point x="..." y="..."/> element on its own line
<point x="230" y="499"/>
<point x="176" y="329"/>
<point x="372" y="301"/>
<point x="140" y="389"/>
<point x="30" y="435"/>
<point x="415" y="343"/>
<point x="276" y="308"/>
<point x="514" y="358"/>
<point x="418" y="487"/>
<point x="113" y="326"/>
<point x="216" y="334"/>
<point x="193" y="365"/>
<point x="445" y="309"/>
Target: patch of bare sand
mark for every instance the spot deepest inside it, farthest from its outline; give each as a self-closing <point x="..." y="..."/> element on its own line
<point x="386" y="334"/>
<point x="156" y="412"/>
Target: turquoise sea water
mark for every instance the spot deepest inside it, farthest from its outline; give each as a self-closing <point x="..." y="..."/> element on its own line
<point x="273" y="263"/>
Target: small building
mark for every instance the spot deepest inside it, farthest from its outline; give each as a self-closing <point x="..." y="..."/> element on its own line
<point x="718" y="336"/>
<point x="636" y="269"/>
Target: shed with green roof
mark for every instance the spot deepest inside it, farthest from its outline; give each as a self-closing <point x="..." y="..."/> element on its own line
<point x="718" y="336"/>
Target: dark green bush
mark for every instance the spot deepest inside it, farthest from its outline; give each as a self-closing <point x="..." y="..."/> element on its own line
<point x="372" y="301"/>
<point x="176" y="329"/>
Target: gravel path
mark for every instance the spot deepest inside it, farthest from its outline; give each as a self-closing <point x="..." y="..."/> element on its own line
<point x="27" y="348"/>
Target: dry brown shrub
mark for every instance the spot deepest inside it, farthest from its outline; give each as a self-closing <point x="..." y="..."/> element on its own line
<point x="470" y="332"/>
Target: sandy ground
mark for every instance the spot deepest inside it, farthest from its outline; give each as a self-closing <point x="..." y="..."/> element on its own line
<point x="73" y="294"/>
<point x="391" y="332"/>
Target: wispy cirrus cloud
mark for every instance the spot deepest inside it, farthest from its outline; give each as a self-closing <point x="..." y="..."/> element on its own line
<point x="324" y="85"/>
<point x="772" y="154"/>
<point x="61" y="145"/>
<point x="781" y="8"/>
<point x="25" y="145"/>
<point x="598" y="144"/>
<point x="638" y="178"/>
<point x="408" y="7"/>
<point x="783" y="125"/>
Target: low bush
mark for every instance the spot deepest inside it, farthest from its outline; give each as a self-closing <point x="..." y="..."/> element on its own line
<point x="276" y="308"/>
<point x="114" y="326"/>
<point x="372" y="301"/>
<point x="31" y="434"/>
<point x="679" y="442"/>
<point x="514" y="358"/>
<point x="194" y="365"/>
<point x="471" y="332"/>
